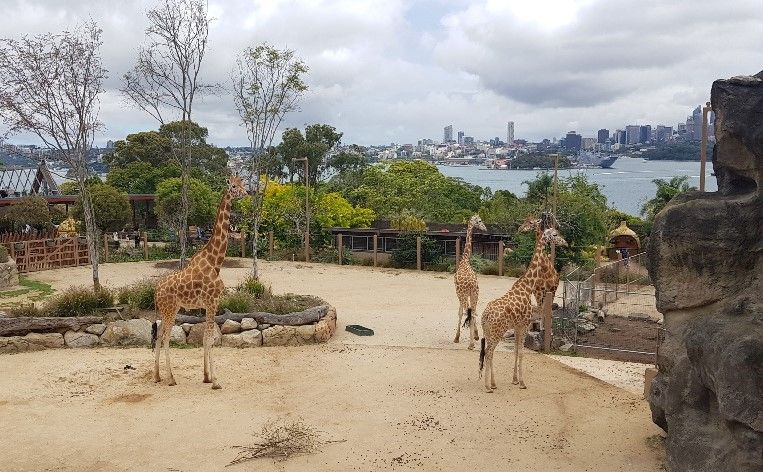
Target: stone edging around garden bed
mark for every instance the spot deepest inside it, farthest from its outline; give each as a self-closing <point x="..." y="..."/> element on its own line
<point x="137" y="333"/>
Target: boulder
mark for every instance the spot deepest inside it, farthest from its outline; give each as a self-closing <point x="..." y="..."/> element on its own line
<point x="584" y="326"/>
<point x="9" y="274"/>
<point x="81" y="339"/>
<point x="566" y="347"/>
<point x="288" y="335"/>
<point x="248" y="323"/>
<point x="30" y="342"/>
<point x="96" y="329"/>
<point x="196" y="335"/>
<point x="588" y="316"/>
<point x="248" y="338"/>
<point x="230" y="326"/>
<point x="705" y="258"/>
<point x="48" y="340"/>
<point x="135" y="332"/>
<point x="186" y="327"/>
<point x="534" y="340"/>
<point x="326" y="327"/>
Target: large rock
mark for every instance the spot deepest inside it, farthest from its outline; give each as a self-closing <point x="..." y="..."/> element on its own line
<point x="135" y="332"/>
<point x="288" y="335"/>
<point x="248" y="338"/>
<point x="9" y="274"/>
<point x="230" y="327"/>
<point x="706" y="261"/>
<point x="196" y="335"/>
<point x="30" y="342"/>
<point x="177" y="333"/>
<point x="248" y="323"/>
<point x="97" y="329"/>
<point x="326" y="327"/>
<point x="81" y="339"/>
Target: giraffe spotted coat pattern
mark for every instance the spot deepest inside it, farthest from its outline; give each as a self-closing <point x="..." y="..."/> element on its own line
<point x="467" y="287"/>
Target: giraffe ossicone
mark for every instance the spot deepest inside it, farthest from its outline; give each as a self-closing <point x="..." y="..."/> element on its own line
<point x="198" y="285"/>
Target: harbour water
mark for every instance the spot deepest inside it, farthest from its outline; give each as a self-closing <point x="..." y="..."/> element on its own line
<point x="627" y="185"/>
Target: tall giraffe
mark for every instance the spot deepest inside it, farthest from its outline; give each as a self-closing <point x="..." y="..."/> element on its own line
<point x="513" y="310"/>
<point x="548" y="277"/>
<point x="198" y="285"/>
<point x="467" y="288"/>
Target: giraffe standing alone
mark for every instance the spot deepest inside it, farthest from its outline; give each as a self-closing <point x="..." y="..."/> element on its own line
<point x="548" y="277"/>
<point x="513" y="310"/>
<point x="467" y="288"/>
<point x="198" y="285"/>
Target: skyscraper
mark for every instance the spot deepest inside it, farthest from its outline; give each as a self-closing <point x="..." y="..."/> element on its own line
<point x="645" y="134"/>
<point x="664" y="133"/>
<point x="603" y="136"/>
<point x="573" y="141"/>
<point x="632" y="134"/>
<point x="447" y="134"/>
<point x="510" y="132"/>
<point x="460" y="137"/>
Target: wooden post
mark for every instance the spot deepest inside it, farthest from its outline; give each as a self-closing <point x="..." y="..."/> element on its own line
<point x="548" y="299"/>
<point x="418" y="252"/>
<point x="594" y="278"/>
<point x="270" y="244"/>
<point x="500" y="257"/>
<point x="458" y="250"/>
<point x="145" y="245"/>
<point x="376" y="249"/>
<point x="243" y="244"/>
<point x="105" y="248"/>
<point x="339" y="247"/>
<point x="76" y="250"/>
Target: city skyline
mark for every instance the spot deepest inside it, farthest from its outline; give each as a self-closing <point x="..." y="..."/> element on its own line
<point x="398" y="71"/>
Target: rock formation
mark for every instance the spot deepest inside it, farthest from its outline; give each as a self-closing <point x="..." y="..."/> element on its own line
<point x="706" y="261"/>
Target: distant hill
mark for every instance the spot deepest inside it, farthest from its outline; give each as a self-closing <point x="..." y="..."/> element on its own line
<point x="676" y="152"/>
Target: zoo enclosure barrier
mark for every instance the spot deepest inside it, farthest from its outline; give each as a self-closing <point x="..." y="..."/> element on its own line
<point x="44" y="254"/>
<point x="623" y="292"/>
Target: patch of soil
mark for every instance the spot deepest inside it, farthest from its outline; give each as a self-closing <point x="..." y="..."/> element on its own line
<point x="227" y="263"/>
<point x="625" y="334"/>
<point x="130" y="398"/>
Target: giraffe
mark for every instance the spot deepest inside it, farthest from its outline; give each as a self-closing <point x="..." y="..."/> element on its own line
<point x="548" y="276"/>
<point x="513" y="310"/>
<point x="198" y="285"/>
<point x="467" y="288"/>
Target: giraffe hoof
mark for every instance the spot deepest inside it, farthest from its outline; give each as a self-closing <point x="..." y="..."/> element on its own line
<point x="172" y="383"/>
<point x="515" y="381"/>
<point x="455" y="340"/>
<point x="522" y="385"/>
<point x="207" y="381"/>
<point x="216" y="386"/>
<point x="488" y="390"/>
<point x="471" y="347"/>
<point x="157" y="379"/>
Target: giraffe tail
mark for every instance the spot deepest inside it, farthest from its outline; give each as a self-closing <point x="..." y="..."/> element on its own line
<point x="154" y="332"/>
<point x="482" y="355"/>
<point x="468" y="318"/>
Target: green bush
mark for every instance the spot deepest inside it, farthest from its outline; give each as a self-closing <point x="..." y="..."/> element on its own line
<point x="25" y="311"/>
<point x="252" y="286"/>
<point x="78" y="301"/>
<point x="330" y="255"/>
<point x="139" y="295"/>
<point x="404" y="255"/>
<point x="3" y="254"/>
<point x="236" y="302"/>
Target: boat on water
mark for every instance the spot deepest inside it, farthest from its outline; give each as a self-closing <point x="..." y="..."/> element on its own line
<point x="588" y="159"/>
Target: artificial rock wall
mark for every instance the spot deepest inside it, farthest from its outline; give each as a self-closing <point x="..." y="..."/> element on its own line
<point x="706" y="260"/>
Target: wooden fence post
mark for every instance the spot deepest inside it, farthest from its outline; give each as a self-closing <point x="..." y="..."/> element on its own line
<point x="500" y="257"/>
<point x="418" y="252"/>
<point x="548" y="299"/>
<point x="105" y="248"/>
<point x="339" y="247"/>
<point x="76" y="250"/>
<point x="376" y="248"/>
<point x="458" y="250"/>
<point x="270" y="244"/>
<point x="145" y="245"/>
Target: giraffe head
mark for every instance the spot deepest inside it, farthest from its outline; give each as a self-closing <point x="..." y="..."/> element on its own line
<point x="236" y="187"/>
<point x="531" y="223"/>
<point x="476" y="222"/>
<point x="551" y="235"/>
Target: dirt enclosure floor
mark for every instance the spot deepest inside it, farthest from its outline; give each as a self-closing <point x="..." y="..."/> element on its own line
<point x="404" y="399"/>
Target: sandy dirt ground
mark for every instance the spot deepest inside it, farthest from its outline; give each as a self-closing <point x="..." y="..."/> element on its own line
<point x="406" y="398"/>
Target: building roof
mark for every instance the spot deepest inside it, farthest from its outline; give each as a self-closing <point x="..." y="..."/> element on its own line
<point x="623" y="230"/>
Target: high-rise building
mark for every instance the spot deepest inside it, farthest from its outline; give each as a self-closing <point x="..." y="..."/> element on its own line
<point x="573" y="141"/>
<point x="632" y="134"/>
<point x="664" y="133"/>
<point x="589" y="144"/>
<point x="460" y="137"/>
<point x="510" y="133"/>
<point x="603" y="136"/>
<point x="468" y="141"/>
<point x="109" y="144"/>
<point x="447" y="135"/>
<point x="645" y="134"/>
<point x="620" y="137"/>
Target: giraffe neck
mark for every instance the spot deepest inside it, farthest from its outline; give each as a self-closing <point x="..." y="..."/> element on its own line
<point x="531" y="276"/>
<point x="218" y="243"/>
<point x="468" y="244"/>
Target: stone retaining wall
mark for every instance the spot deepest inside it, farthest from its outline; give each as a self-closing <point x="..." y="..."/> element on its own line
<point x="137" y="333"/>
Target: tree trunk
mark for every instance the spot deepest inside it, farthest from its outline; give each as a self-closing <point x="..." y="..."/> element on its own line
<point x="311" y="315"/>
<point x="20" y="326"/>
<point x="91" y="231"/>
<point x="185" y="164"/>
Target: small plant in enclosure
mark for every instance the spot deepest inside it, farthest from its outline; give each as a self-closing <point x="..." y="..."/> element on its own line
<point x="25" y="311"/>
<point x="236" y="302"/>
<point x="330" y="255"/>
<point x="78" y="301"/>
<point x="253" y="287"/>
<point x="139" y="295"/>
<point x="404" y="255"/>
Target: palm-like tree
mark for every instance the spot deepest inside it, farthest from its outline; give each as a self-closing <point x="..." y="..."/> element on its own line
<point x="666" y="190"/>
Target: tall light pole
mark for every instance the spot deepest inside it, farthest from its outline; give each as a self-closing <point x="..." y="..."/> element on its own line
<point x="703" y="150"/>
<point x="307" y="207"/>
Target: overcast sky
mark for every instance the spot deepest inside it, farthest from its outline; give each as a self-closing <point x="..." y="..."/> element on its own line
<point x="398" y="71"/>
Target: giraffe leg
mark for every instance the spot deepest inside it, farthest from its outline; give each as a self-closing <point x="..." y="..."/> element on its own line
<point x="473" y="303"/>
<point x="166" y="331"/>
<point x="157" y="351"/>
<point x="209" y="338"/>
<point x="207" y="376"/>
<point x="458" y="326"/>
<point x="516" y="356"/>
<point x="489" y="380"/>
<point x="520" y="354"/>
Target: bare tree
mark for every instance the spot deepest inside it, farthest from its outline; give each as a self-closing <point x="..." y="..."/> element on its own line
<point x="267" y="84"/>
<point x="49" y="86"/>
<point x="166" y="78"/>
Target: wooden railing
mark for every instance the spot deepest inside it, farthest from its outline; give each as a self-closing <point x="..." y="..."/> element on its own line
<point x="13" y="237"/>
<point x="44" y="254"/>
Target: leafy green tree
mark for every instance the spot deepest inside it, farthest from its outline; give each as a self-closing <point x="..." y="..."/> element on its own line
<point x="203" y="202"/>
<point x="152" y="147"/>
<point x="141" y="176"/>
<point x="416" y="187"/>
<point x="333" y="210"/>
<point x="315" y="144"/>
<point x="110" y="206"/>
<point x="541" y="188"/>
<point x="666" y="190"/>
<point x="31" y="210"/>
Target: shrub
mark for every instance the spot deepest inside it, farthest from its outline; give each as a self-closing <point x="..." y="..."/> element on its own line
<point x="404" y="255"/>
<point x="139" y="295"/>
<point x="283" y="304"/>
<point x="3" y="254"/>
<point x="237" y="302"/>
<point x="330" y="255"/>
<point x="78" y="301"/>
<point x="252" y="286"/>
<point x="25" y="311"/>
